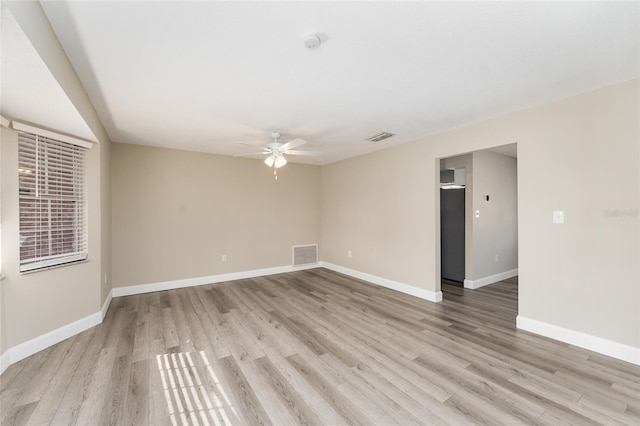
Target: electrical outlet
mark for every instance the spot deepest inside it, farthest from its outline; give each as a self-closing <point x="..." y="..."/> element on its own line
<point x="349" y="254"/>
<point x="224" y="257"/>
<point x="558" y="216"/>
<point x="477" y="214"/>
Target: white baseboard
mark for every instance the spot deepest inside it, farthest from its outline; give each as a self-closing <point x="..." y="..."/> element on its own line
<point x="46" y="340"/>
<point x="577" y="338"/>
<point x="211" y="279"/>
<point x="26" y="349"/>
<point x="107" y="302"/>
<point x="384" y="282"/>
<point x="23" y="350"/>
<point x="481" y="282"/>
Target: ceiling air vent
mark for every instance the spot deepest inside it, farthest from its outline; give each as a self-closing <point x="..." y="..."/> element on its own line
<point x="305" y="255"/>
<point x="380" y="136"/>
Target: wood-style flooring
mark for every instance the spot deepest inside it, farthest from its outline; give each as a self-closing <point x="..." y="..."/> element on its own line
<point x="316" y="347"/>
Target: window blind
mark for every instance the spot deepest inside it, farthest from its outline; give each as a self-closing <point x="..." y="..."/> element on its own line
<point x="53" y="226"/>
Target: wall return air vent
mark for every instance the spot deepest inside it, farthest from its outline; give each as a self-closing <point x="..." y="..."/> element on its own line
<point x="380" y="136"/>
<point x="305" y="255"/>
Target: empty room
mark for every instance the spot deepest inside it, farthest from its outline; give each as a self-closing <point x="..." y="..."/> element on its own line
<point x="326" y="213"/>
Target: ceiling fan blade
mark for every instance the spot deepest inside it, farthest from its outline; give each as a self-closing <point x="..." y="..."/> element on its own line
<point x="252" y="153"/>
<point x="252" y="146"/>
<point x="292" y="144"/>
<point x="294" y="152"/>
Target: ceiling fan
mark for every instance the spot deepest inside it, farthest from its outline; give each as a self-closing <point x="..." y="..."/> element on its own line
<point x="276" y="150"/>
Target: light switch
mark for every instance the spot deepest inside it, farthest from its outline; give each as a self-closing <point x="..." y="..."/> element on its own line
<point x="477" y="213"/>
<point x="558" y="216"/>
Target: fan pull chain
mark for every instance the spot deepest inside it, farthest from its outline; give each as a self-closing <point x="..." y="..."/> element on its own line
<point x="275" y="173"/>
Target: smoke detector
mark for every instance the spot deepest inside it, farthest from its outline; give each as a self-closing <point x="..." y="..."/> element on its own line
<point x="312" y="41"/>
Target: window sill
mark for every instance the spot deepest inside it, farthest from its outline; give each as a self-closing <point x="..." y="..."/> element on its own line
<point x="48" y="268"/>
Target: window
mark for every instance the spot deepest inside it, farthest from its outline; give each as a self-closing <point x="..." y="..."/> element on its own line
<point x="53" y="228"/>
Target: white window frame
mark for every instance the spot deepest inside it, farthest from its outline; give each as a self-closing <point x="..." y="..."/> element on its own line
<point x="30" y="137"/>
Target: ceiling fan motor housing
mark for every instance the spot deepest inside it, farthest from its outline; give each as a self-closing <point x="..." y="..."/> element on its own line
<point x="273" y="146"/>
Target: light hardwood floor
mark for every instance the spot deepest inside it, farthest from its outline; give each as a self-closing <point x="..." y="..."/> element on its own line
<point x="317" y="347"/>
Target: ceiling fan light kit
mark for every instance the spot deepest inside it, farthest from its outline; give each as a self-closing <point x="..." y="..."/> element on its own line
<point x="276" y="161"/>
<point x="280" y="161"/>
<point x="269" y="161"/>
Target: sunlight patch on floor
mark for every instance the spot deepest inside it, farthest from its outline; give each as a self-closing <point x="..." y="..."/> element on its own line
<point x="186" y="394"/>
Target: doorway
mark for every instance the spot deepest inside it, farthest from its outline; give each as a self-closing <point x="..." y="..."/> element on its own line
<point x="478" y="218"/>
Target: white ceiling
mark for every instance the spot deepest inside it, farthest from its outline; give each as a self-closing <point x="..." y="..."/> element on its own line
<point x="29" y="92"/>
<point x="201" y="75"/>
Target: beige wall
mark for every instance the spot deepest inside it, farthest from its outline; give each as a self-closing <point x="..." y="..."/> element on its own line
<point x="582" y="275"/>
<point x="175" y="213"/>
<point x="376" y="206"/>
<point x="3" y="329"/>
<point x="40" y="302"/>
<point x="105" y="277"/>
<point x="495" y="232"/>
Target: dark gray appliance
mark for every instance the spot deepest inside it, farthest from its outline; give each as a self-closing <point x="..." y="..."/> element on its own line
<point x="452" y="234"/>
